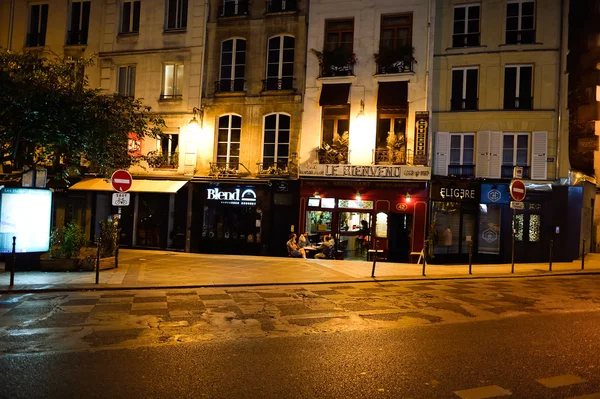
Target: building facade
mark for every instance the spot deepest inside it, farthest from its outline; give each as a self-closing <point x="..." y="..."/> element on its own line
<point x="500" y="111"/>
<point x="364" y="157"/>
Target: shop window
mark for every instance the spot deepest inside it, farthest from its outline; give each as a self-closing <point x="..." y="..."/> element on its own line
<point x="489" y="228"/>
<point x="234" y="224"/>
<point x="280" y="63"/>
<point x="233" y="66"/>
<point x="381" y="225"/>
<point x="318" y="222"/>
<point x="276" y="146"/>
<point x="534" y="228"/>
<point x="172" y="81"/>
<point x="355" y="204"/>
<point x="328" y="203"/>
<point x="519" y="222"/>
<point x="453" y="223"/>
<point x="228" y="141"/>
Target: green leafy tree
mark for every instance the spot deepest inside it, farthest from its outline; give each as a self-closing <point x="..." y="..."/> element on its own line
<point x="50" y="117"/>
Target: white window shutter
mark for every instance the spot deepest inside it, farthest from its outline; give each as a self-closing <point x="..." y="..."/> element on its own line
<point x="482" y="164"/>
<point x="442" y="153"/>
<point x="539" y="152"/>
<point x="495" y="170"/>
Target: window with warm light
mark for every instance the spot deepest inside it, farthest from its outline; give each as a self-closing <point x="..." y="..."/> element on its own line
<point x="336" y="120"/>
<point x="228" y="141"/>
<point x="276" y="144"/>
<point x="172" y="81"/>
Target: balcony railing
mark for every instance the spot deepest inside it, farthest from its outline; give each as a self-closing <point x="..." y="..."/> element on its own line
<point x="77" y="37"/>
<point x="518" y="103"/>
<point x="171" y="96"/>
<point x="520" y="36"/>
<point x="233" y="8"/>
<point x="389" y="157"/>
<point x="400" y="66"/>
<point x="464" y="104"/>
<point x="273" y="84"/>
<point x="281" y="5"/>
<point x="465" y="40"/>
<point x="159" y="160"/>
<point x="229" y="85"/>
<point x="333" y="156"/>
<point x="227" y="169"/>
<point x="36" y="39"/>
<point x="507" y="171"/>
<point x="328" y="70"/>
<point x="274" y="169"/>
<point x="461" y="170"/>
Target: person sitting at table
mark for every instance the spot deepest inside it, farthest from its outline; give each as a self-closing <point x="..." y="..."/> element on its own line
<point x="303" y="240"/>
<point x="326" y="248"/>
<point x="293" y="249"/>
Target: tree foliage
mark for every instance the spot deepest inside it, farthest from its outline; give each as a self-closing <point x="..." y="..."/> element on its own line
<point x="50" y="117"/>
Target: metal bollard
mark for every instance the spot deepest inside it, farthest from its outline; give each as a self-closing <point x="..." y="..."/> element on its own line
<point x="470" y="257"/>
<point x="424" y="257"/>
<point x="117" y="248"/>
<point x="583" y="255"/>
<point x="98" y="261"/>
<point x="14" y="262"/>
<point x="550" y="256"/>
<point x="374" y="259"/>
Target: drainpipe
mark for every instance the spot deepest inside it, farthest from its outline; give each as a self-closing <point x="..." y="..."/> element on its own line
<point x="561" y="74"/>
<point x="11" y="17"/>
<point x="429" y="76"/>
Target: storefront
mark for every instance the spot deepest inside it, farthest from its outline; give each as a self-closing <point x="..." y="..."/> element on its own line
<point x="366" y="214"/>
<point x="249" y="217"/>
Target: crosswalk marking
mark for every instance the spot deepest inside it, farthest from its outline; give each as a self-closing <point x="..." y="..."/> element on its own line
<point x="560" y="381"/>
<point x="590" y="396"/>
<point x="490" y="391"/>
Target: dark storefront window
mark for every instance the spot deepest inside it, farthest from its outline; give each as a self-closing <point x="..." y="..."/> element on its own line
<point x="231" y="225"/>
<point x="454" y="227"/>
<point x="489" y="229"/>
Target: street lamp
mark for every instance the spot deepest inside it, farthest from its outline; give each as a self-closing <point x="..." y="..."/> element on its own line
<point x="193" y="124"/>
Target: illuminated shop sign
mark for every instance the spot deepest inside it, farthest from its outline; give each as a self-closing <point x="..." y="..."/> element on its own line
<point x="404" y="172"/>
<point x="457" y="193"/>
<point x="235" y="197"/>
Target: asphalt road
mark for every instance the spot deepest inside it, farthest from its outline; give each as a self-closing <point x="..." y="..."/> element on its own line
<point x="417" y="362"/>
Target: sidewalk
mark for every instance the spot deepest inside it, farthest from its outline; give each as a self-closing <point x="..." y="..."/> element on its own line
<point x="144" y="269"/>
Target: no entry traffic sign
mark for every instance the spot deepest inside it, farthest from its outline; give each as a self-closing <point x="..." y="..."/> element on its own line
<point x="517" y="190"/>
<point x="121" y="180"/>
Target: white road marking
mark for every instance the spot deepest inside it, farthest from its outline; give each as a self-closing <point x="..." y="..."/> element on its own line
<point x="490" y="391"/>
<point x="560" y="381"/>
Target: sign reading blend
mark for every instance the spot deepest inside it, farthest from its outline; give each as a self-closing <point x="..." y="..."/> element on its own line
<point x="235" y="197"/>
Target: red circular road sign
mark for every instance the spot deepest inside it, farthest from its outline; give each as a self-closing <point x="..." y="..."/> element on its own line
<point x="121" y="180"/>
<point x="518" y="190"/>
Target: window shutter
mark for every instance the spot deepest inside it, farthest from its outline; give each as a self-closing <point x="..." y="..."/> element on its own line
<point x="442" y="152"/>
<point x="539" y="149"/>
<point x="482" y="165"/>
<point x="495" y="155"/>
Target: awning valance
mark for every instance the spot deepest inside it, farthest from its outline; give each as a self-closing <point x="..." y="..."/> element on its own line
<point x="393" y="95"/>
<point x="334" y="94"/>
<point x="138" y="186"/>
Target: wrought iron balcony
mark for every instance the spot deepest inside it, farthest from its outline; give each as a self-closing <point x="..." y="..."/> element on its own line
<point x="399" y="66"/>
<point x="229" y="85"/>
<point x="333" y="155"/>
<point x="466" y="40"/>
<point x="464" y="104"/>
<point x="77" y="37"/>
<point x="518" y="103"/>
<point x="227" y="169"/>
<point x="274" y="169"/>
<point x="520" y="36"/>
<point x="389" y="157"/>
<point x="461" y="170"/>
<point x="337" y="69"/>
<point x="273" y="84"/>
<point x="159" y="160"/>
<point x="281" y="6"/>
<point x="36" y="39"/>
<point x="171" y="96"/>
<point x="233" y="8"/>
<point x="507" y="171"/>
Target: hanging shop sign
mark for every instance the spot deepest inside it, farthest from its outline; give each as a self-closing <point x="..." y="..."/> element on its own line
<point x="405" y="172"/>
<point x="455" y="191"/>
<point x="495" y="194"/>
<point x="236" y="197"/>
<point x="421" y="129"/>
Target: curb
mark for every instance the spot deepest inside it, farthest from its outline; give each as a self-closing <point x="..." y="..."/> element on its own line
<point x="93" y="287"/>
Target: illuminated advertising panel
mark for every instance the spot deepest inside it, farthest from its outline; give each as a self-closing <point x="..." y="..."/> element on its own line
<point x="25" y="213"/>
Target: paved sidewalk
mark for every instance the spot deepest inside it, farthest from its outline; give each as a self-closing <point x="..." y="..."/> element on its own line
<point x="140" y="269"/>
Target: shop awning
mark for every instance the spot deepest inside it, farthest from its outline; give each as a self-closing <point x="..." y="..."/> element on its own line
<point x="393" y="95"/>
<point x="138" y="186"/>
<point x="334" y="94"/>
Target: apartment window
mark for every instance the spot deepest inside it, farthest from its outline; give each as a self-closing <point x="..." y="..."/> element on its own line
<point x="336" y="121"/>
<point x="462" y="149"/>
<point x="168" y="147"/>
<point x="276" y="146"/>
<point x="228" y="141"/>
<point x="339" y="34"/>
<point x="233" y="65"/>
<point x="38" y="23"/>
<point x="177" y="14"/>
<point x="130" y="16"/>
<point x="464" y="88"/>
<point x="172" y="81"/>
<point x="232" y="8"/>
<point x="466" y="31"/>
<point x="79" y="23"/>
<point x="280" y="63"/>
<point x="126" y="79"/>
<point x="518" y="84"/>
<point x="515" y="152"/>
<point x="520" y="22"/>
<point x="396" y="31"/>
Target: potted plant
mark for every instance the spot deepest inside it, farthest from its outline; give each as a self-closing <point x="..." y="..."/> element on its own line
<point x="337" y="61"/>
<point x="65" y="248"/>
<point x="395" y="60"/>
<point x="395" y="148"/>
<point x="158" y="159"/>
<point x="337" y="152"/>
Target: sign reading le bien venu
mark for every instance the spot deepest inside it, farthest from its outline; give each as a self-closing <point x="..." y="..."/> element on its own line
<point x="406" y="172"/>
